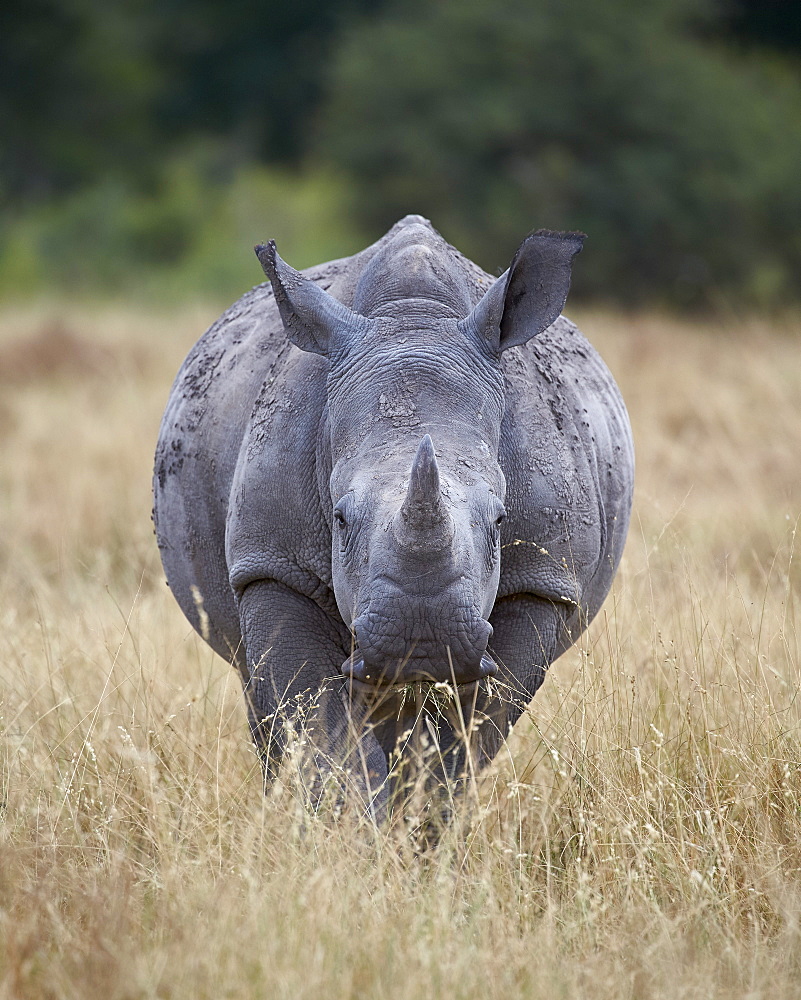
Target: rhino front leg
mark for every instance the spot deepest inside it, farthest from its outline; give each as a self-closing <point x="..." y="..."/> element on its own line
<point x="528" y="635"/>
<point x="294" y="654"/>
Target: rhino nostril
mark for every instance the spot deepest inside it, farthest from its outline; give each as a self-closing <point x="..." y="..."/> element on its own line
<point x="356" y="668"/>
<point x="488" y="667"/>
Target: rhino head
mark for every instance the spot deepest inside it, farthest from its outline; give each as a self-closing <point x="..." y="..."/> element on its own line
<point x="415" y="404"/>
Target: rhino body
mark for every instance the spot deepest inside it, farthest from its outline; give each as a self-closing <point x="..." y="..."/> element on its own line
<point x="388" y="474"/>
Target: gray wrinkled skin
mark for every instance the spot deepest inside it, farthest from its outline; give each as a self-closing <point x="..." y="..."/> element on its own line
<point x="388" y="473"/>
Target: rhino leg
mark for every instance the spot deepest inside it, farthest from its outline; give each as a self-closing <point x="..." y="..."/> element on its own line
<point x="528" y="635"/>
<point x="294" y="685"/>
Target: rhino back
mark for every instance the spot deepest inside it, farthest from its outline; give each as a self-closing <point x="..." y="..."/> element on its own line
<point x="199" y="440"/>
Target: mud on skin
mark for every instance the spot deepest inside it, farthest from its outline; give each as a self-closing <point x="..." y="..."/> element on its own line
<point x="392" y="490"/>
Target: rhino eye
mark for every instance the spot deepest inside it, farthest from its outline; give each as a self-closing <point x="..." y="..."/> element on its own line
<point x="343" y="511"/>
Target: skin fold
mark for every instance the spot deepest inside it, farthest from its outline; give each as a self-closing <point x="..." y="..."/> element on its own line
<point x="392" y="490"/>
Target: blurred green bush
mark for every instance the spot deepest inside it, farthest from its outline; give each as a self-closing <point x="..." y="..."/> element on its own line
<point x="496" y="116"/>
<point x="189" y="236"/>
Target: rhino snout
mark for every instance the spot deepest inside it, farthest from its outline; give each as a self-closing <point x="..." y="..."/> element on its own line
<point x="383" y="654"/>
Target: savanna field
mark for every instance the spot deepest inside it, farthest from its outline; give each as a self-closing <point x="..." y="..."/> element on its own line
<point x="638" y="838"/>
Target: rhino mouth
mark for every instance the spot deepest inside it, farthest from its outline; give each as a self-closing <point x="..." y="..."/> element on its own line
<point x="400" y="676"/>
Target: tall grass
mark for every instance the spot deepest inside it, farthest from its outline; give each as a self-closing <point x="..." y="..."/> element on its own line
<point x="638" y="837"/>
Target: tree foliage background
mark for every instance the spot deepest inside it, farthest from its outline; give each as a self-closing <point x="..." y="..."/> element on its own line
<point x="147" y="146"/>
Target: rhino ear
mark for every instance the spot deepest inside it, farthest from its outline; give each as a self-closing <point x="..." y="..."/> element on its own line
<point x="527" y="298"/>
<point x="314" y="320"/>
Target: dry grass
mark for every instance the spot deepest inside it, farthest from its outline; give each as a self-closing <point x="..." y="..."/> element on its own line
<point x="640" y="838"/>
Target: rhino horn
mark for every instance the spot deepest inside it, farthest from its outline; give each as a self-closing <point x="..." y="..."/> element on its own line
<point x="424" y="506"/>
